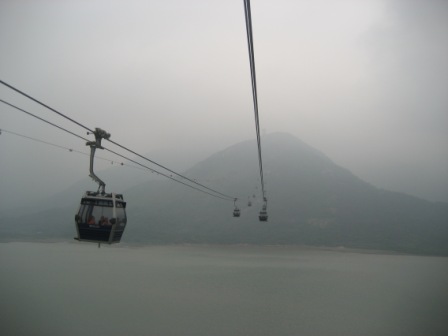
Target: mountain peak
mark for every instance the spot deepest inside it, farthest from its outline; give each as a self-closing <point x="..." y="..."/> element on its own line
<point x="311" y="201"/>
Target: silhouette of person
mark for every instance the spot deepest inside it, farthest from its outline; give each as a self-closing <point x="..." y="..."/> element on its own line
<point x="91" y="220"/>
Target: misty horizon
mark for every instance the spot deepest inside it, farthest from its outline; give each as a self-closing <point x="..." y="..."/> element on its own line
<point x="361" y="82"/>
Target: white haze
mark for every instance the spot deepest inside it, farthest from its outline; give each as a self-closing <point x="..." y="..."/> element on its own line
<point x="365" y="82"/>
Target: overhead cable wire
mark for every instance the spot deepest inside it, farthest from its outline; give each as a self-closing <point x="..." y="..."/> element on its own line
<point x="41" y="141"/>
<point x="254" y="84"/>
<point x="44" y="105"/>
<point x="46" y="121"/>
<point x="167" y="176"/>
<point x="171" y="171"/>
<point x="227" y="198"/>
<point x="230" y="198"/>
<point x="66" y="148"/>
<point x="250" y="45"/>
<point x="87" y="154"/>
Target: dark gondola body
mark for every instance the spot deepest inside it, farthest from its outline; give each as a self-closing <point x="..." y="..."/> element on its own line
<point x="263" y="216"/>
<point x="236" y="213"/>
<point x="101" y="218"/>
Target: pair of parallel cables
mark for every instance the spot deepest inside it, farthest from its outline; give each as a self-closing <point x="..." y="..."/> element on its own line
<point x="200" y="187"/>
<point x="250" y="44"/>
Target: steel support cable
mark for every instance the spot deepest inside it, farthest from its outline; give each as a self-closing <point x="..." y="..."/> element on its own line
<point x="44" y="105"/>
<point x="146" y="167"/>
<point x="46" y="121"/>
<point x="252" y="61"/>
<point x="257" y="119"/>
<point x="230" y="198"/>
<point x="42" y="141"/>
<point x="167" y="176"/>
<point x="254" y="91"/>
<point x="66" y="148"/>
<point x="73" y="150"/>
<point x="254" y="87"/>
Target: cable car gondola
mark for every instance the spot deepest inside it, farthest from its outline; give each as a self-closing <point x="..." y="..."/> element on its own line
<point x="263" y="216"/>
<point x="101" y="216"/>
<point x="236" y="211"/>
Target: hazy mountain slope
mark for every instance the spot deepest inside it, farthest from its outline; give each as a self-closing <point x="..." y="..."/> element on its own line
<point x="311" y="201"/>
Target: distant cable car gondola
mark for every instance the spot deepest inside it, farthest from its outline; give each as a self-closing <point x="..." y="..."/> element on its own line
<point x="236" y="210"/>
<point x="236" y="213"/>
<point x="101" y="217"/>
<point x="263" y="216"/>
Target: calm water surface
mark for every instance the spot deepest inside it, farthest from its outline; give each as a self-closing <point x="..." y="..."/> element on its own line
<point x="78" y="289"/>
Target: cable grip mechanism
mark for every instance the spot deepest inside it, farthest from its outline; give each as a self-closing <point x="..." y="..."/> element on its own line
<point x="99" y="135"/>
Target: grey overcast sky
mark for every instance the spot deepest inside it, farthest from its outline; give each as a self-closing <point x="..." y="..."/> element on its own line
<point x="365" y="82"/>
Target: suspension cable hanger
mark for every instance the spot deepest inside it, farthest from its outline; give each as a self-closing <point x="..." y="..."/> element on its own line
<point x="99" y="135"/>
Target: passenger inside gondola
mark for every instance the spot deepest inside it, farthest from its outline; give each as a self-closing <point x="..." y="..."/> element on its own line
<point x="104" y="221"/>
<point x="91" y="220"/>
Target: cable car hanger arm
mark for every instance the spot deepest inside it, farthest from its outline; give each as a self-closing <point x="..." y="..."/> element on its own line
<point x="99" y="134"/>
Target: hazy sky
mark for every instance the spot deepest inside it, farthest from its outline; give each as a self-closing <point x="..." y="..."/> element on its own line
<point x="365" y="82"/>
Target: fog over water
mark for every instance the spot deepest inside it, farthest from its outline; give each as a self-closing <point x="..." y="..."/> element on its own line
<point x="78" y="289"/>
